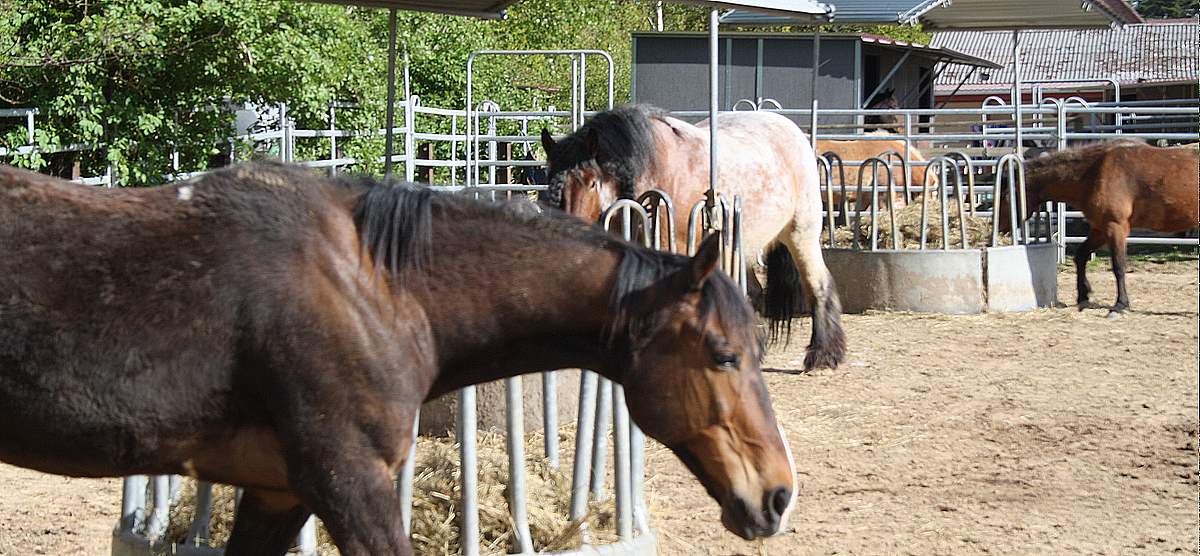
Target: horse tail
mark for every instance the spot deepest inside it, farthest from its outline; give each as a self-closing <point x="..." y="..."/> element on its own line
<point x="783" y="296"/>
<point x="787" y="294"/>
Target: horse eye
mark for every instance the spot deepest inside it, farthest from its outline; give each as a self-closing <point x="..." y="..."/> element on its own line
<point x="726" y="361"/>
<point x="595" y="184"/>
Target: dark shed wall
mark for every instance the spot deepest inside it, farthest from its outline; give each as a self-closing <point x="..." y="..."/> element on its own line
<point x="671" y="71"/>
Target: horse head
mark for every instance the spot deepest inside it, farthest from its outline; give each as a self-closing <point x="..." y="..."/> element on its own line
<point x="585" y="189"/>
<point x="693" y="382"/>
<point x="885" y="100"/>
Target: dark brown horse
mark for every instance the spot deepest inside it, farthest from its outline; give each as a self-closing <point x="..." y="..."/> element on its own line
<point x="1117" y="185"/>
<point x="890" y="123"/>
<point x="268" y="328"/>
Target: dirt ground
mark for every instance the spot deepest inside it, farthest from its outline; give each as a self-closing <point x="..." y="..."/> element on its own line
<point x="1049" y="432"/>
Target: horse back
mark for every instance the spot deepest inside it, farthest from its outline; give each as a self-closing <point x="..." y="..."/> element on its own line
<point x="136" y="310"/>
<point x="1160" y="185"/>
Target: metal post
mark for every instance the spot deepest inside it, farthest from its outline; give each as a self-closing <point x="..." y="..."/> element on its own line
<point x="600" y="438"/>
<point x="467" y="423"/>
<point x="516" y="463"/>
<point x="585" y="428"/>
<point x="391" y="94"/>
<point x="710" y="201"/>
<point x="550" y="416"/>
<point x="1016" y="94"/>
<point x="332" y="139"/>
<point x="410" y="126"/>
<point x="406" y="478"/>
<point x="816" y="72"/>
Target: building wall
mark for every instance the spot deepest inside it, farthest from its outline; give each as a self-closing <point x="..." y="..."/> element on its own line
<point x="671" y="71"/>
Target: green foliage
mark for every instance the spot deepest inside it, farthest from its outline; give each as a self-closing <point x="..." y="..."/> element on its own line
<point x="128" y="76"/>
<point x="1171" y="9"/>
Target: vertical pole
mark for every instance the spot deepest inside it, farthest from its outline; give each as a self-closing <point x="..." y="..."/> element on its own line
<point x="575" y="120"/>
<point x="410" y="126"/>
<point x="550" y="416"/>
<point x="332" y="139"/>
<point x="391" y="94"/>
<point x="515" y="417"/>
<point x="585" y="427"/>
<point x="406" y="478"/>
<point x="710" y="201"/>
<point x="816" y="72"/>
<point x="1016" y="94"/>
<point x="467" y="423"/>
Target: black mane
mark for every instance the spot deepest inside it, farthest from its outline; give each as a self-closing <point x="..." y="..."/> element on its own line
<point x="625" y="149"/>
<point x="395" y="226"/>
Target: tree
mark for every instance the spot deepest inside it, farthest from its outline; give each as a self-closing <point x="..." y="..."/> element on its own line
<point x="1169" y="9"/>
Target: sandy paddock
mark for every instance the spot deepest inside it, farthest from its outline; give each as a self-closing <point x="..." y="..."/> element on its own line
<point x="1055" y="431"/>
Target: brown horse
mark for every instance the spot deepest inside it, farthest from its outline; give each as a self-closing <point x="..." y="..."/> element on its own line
<point x="1117" y="185"/>
<point x="268" y="328"/>
<point x="860" y="150"/>
<point x="764" y="158"/>
<point x="889" y="123"/>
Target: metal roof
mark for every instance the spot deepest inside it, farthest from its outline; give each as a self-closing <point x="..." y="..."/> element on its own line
<point x="786" y="10"/>
<point x="1149" y="52"/>
<point x="948" y="54"/>
<point x="968" y="14"/>
<point x="790" y="11"/>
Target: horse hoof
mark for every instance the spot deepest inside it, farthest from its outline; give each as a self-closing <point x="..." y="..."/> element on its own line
<point x="1113" y="315"/>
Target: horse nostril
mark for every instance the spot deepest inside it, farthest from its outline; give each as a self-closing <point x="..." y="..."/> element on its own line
<point x="778" y="502"/>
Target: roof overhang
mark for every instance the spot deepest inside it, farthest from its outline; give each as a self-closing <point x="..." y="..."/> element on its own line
<point x="1019" y="14"/>
<point x="945" y="54"/>
<point x="790" y="11"/>
<point x="967" y="14"/>
<point x="486" y="9"/>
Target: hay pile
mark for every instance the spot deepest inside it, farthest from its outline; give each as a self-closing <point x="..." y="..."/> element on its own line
<point x="908" y="224"/>
<point x="436" y="491"/>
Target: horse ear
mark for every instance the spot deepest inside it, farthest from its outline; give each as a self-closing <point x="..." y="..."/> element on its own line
<point x="593" y="142"/>
<point x="547" y="141"/>
<point x="705" y="262"/>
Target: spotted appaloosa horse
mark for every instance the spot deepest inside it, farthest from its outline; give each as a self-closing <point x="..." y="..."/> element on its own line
<point x="764" y="158"/>
<point x="1118" y="185"/>
<point x="269" y="328"/>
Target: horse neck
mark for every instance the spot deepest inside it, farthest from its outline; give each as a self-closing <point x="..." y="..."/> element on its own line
<point x="511" y="304"/>
<point x="1056" y="181"/>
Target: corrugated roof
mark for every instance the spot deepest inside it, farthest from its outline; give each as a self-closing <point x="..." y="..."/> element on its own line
<point x="788" y="10"/>
<point x="968" y="14"/>
<point x="1150" y="52"/>
<point x="959" y="58"/>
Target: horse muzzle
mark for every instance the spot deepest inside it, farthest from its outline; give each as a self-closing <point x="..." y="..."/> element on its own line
<point x="756" y="520"/>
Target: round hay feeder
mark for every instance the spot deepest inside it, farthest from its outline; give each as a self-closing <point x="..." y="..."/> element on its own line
<point x="938" y="254"/>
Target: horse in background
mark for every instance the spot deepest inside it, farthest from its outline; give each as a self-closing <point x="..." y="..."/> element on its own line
<point x="764" y="158"/>
<point x="860" y="150"/>
<point x="269" y="328"/>
<point x="1117" y="185"/>
<point x="889" y="123"/>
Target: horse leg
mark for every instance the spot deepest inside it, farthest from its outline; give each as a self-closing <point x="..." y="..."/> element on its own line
<point x="350" y="487"/>
<point x="267" y="523"/>
<point x="1117" y="241"/>
<point x="1083" y="253"/>
<point x="828" y="345"/>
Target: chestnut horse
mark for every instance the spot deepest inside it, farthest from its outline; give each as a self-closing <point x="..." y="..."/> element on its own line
<point x="269" y="328"/>
<point x="1117" y="185"/>
<point x="764" y="158"/>
<point x="860" y="150"/>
